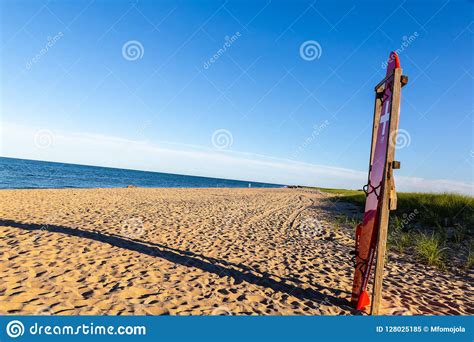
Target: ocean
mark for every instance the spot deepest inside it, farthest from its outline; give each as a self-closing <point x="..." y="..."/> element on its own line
<point x="33" y="174"/>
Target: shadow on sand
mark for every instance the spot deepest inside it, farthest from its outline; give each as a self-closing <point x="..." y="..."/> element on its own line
<point x="185" y="258"/>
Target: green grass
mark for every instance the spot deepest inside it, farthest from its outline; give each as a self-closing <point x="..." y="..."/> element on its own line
<point x="400" y="242"/>
<point x="436" y="210"/>
<point x="430" y="249"/>
<point x="470" y="259"/>
<point x="344" y="220"/>
<point x="432" y="226"/>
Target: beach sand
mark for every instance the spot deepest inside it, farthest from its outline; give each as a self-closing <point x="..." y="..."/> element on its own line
<point x="196" y="252"/>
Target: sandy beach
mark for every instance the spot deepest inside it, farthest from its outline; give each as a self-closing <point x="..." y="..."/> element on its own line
<point x="196" y="252"/>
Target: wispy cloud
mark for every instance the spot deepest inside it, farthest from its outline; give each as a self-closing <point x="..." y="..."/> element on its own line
<point x="102" y="150"/>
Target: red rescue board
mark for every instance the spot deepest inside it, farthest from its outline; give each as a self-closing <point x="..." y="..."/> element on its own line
<point x="367" y="231"/>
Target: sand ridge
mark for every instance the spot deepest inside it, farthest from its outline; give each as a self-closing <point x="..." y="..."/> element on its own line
<point x="195" y="252"/>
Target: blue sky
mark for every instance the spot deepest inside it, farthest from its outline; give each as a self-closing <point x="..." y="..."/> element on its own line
<point x="281" y="118"/>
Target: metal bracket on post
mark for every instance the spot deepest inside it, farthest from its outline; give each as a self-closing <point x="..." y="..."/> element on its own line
<point x="394" y="165"/>
<point x="404" y="80"/>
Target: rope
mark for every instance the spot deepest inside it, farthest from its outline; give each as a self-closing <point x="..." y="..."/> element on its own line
<point x="372" y="190"/>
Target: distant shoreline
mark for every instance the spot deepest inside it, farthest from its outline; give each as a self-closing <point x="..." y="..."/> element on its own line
<point x="19" y="174"/>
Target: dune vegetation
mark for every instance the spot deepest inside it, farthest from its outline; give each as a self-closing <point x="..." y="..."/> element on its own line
<point x="437" y="229"/>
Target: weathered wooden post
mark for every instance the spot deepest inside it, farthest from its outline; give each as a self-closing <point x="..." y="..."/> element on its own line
<point x="371" y="234"/>
<point x="389" y="194"/>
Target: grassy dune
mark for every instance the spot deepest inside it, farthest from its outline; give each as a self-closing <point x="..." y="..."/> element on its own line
<point x="436" y="228"/>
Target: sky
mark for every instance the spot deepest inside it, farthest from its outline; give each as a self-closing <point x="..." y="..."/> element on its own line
<point x="271" y="91"/>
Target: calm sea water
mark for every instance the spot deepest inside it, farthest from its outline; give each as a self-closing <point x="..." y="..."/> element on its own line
<point x="31" y="174"/>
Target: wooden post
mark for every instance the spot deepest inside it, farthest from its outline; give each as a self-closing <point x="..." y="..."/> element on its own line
<point x="387" y="190"/>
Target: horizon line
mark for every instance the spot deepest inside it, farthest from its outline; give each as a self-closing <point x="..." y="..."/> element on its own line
<point x="150" y="171"/>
